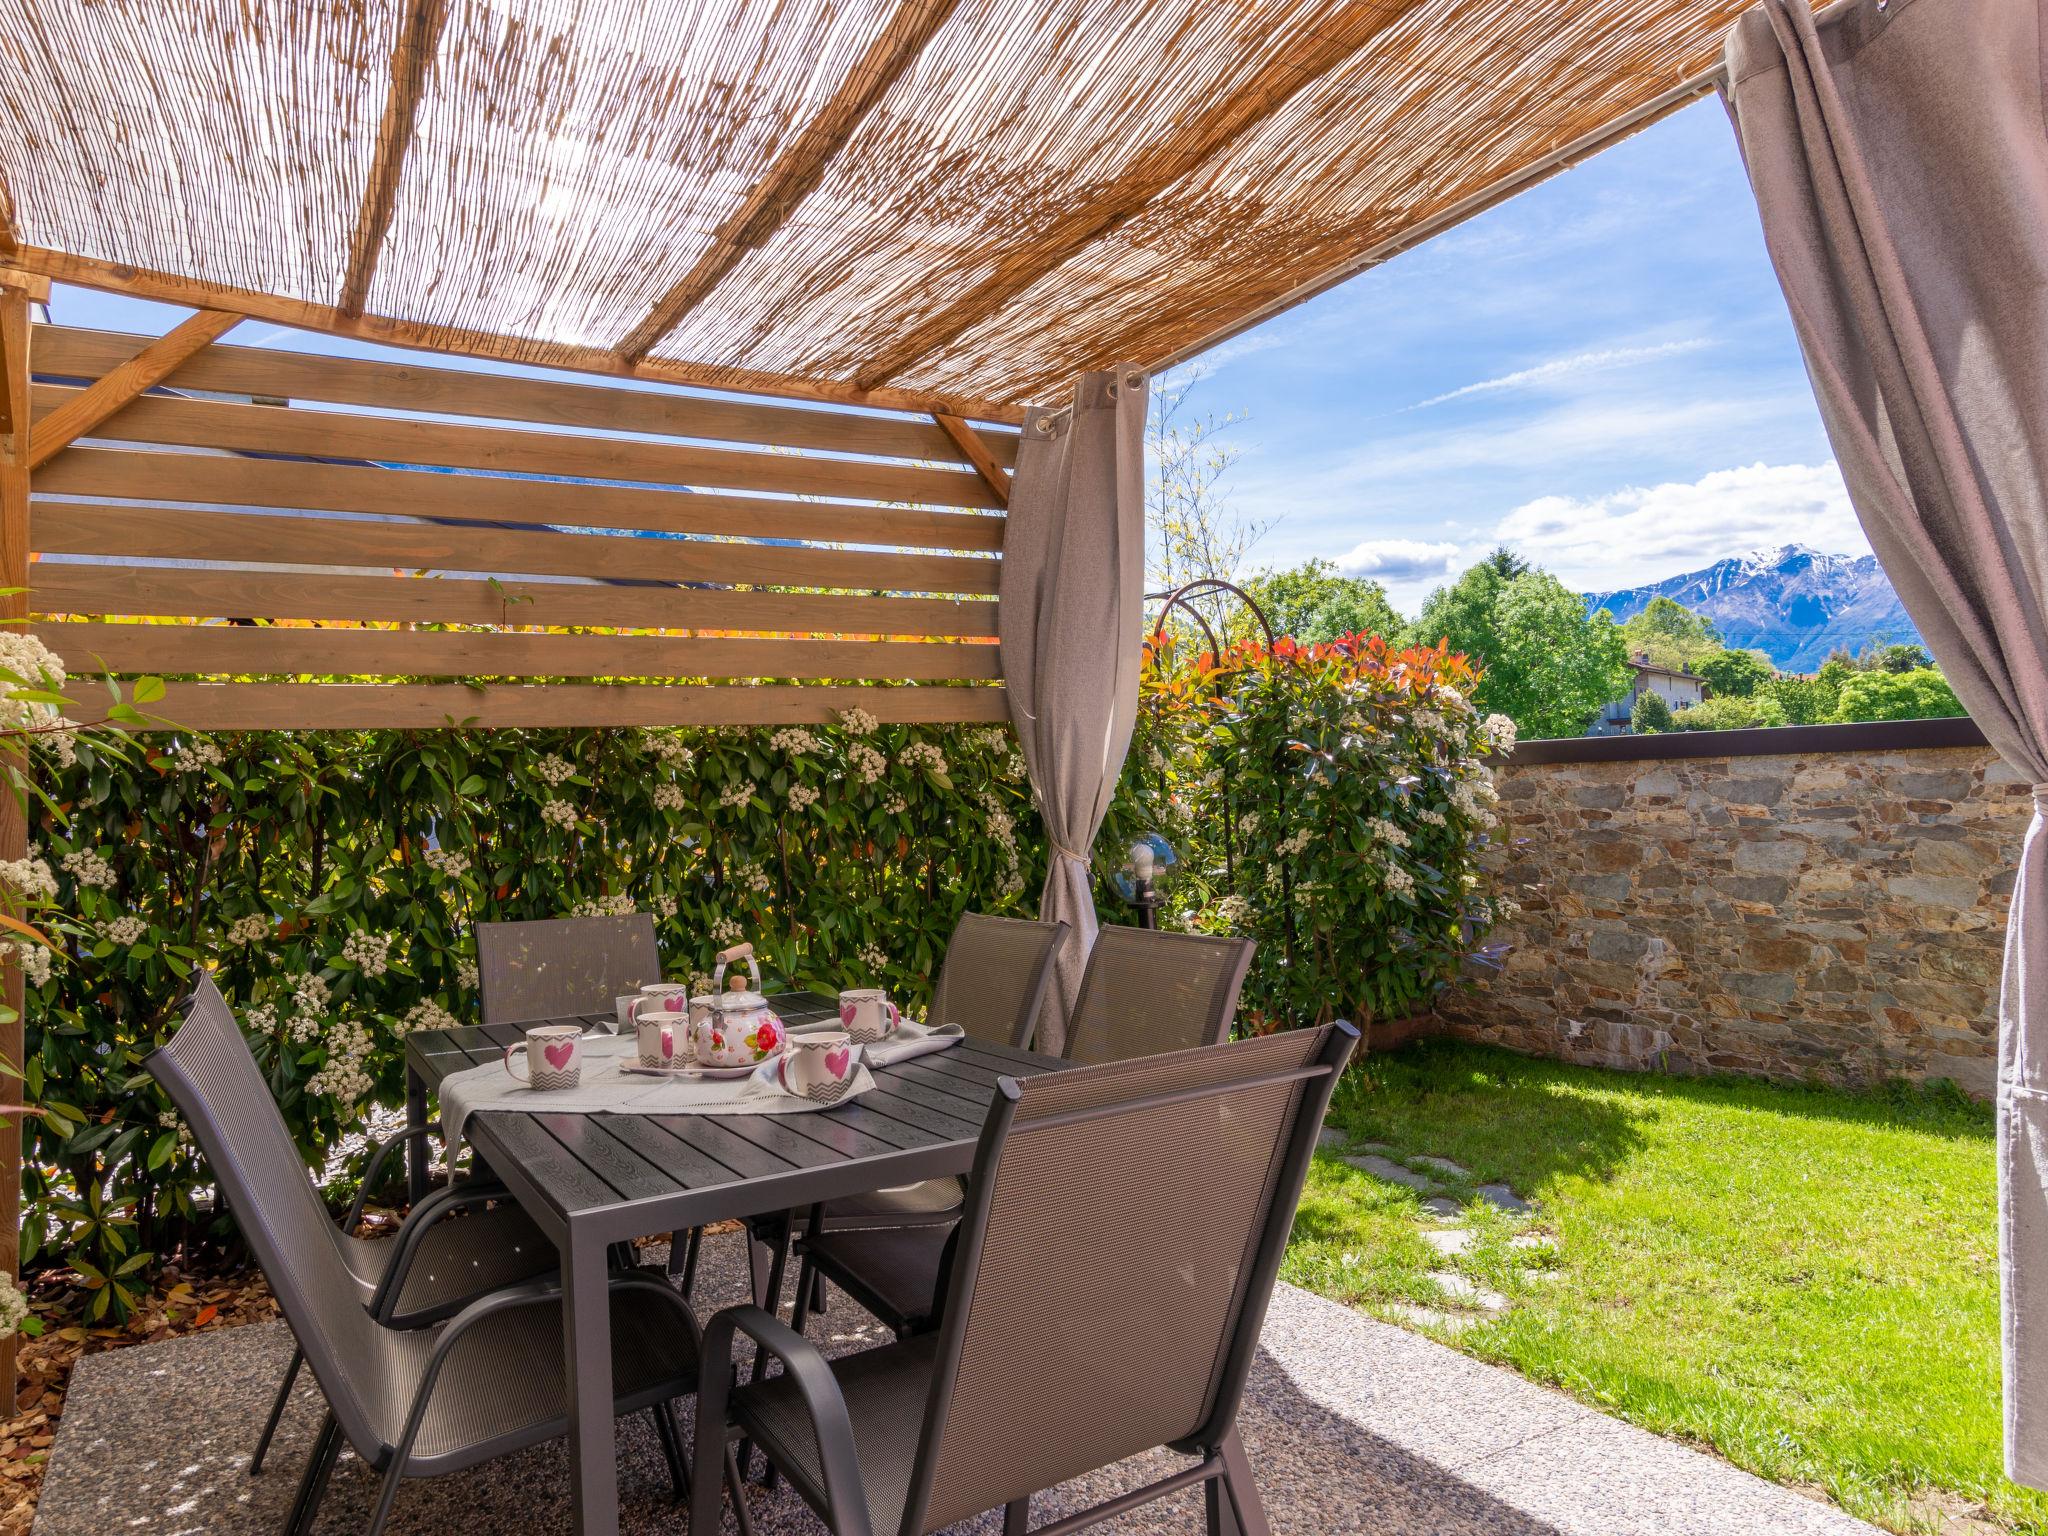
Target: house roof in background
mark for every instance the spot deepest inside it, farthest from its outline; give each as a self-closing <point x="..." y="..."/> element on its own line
<point x="897" y="202"/>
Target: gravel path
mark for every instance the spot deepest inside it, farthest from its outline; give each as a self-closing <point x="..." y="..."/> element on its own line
<point x="1353" y="1425"/>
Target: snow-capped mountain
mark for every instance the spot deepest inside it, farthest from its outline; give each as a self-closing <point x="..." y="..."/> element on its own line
<point x="1794" y="604"/>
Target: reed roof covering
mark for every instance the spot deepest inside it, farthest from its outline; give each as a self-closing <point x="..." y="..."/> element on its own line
<point x="903" y="200"/>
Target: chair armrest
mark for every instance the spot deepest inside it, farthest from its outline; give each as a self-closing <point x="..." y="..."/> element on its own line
<point x="533" y="1293"/>
<point x="375" y="1167"/>
<point x="845" y="1494"/>
<point x="413" y="1232"/>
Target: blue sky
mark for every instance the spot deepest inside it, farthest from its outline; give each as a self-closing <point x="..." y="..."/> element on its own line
<point x="1599" y="372"/>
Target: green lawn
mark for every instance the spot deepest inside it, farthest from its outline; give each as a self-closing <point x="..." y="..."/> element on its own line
<point x="1804" y="1280"/>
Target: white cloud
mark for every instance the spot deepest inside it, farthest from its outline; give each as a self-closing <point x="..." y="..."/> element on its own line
<point x="1399" y="560"/>
<point x="1645" y="533"/>
<point x="1565" y="367"/>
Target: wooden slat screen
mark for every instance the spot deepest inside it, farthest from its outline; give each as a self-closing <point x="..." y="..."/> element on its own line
<point x="304" y="541"/>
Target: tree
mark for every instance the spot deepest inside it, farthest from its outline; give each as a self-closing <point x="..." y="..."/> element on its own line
<point x="1922" y="694"/>
<point x="1191" y="530"/>
<point x="1549" y="666"/>
<point x="1801" y="699"/>
<point x="1735" y="674"/>
<point x="1729" y="714"/>
<point x="1314" y="602"/>
<point x="1505" y="563"/>
<point x="1671" y="635"/>
<point x="1650" y="716"/>
<point x="1900" y="658"/>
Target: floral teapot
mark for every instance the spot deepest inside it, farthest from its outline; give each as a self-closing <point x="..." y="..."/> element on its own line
<point x="740" y="1028"/>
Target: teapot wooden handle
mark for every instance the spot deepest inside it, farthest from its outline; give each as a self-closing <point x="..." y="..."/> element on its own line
<point x="737" y="952"/>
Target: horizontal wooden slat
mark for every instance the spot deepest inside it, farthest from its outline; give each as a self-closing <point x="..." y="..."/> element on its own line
<point x="220" y="648"/>
<point x="184" y="592"/>
<point x="302" y="314"/>
<point x="346" y="435"/>
<point x="384" y="706"/>
<point x="167" y="533"/>
<point x="73" y="353"/>
<point x="231" y="481"/>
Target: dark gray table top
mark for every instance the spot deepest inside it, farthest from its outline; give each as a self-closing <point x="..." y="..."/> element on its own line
<point x="622" y="1176"/>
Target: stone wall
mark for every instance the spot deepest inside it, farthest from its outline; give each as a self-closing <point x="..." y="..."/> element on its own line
<point x="1827" y="915"/>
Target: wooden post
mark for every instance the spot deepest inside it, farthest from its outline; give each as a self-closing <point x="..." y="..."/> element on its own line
<point x="14" y="452"/>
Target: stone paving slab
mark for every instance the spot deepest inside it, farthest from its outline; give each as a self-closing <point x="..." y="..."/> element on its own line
<point x="1354" y="1426"/>
<point x="1393" y="1173"/>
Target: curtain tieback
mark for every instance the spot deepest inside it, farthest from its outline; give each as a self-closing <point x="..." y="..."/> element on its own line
<point x="1063" y="850"/>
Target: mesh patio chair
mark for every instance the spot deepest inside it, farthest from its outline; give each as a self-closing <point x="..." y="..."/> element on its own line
<point x="434" y="1266"/>
<point x="991" y="983"/>
<point x="1143" y="993"/>
<point x="418" y="1403"/>
<point x="563" y="967"/>
<point x="1146" y="992"/>
<point x="557" y="967"/>
<point x="1122" y="1236"/>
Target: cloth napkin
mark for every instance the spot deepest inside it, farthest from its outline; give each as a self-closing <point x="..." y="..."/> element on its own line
<point x="606" y="1089"/>
<point x="911" y="1039"/>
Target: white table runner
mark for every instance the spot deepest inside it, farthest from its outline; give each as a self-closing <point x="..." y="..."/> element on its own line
<point x="606" y="1089"/>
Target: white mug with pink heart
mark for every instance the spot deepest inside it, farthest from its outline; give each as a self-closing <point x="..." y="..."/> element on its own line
<point x="821" y="1065"/>
<point x="663" y="1038"/>
<point x="553" y="1054"/>
<point x="867" y="1014"/>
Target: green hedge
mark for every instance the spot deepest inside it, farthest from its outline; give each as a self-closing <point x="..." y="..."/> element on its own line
<point x="333" y="881"/>
<point x="1330" y="801"/>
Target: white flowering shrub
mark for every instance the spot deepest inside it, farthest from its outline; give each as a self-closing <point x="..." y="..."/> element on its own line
<point x="1332" y="802"/>
<point x="333" y="882"/>
<point x="13" y="1306"/>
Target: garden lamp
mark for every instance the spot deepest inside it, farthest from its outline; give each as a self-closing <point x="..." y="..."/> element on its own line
<point x="1151" y="856"/>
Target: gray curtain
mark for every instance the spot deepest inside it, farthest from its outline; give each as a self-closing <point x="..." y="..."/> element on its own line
<point x="1072" y="595"/>
<point x="1899" y="154"/>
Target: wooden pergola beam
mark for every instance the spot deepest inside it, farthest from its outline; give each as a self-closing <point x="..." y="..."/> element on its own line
<point x="419" y="34"/>
<point x="1186" y="147"/>
<point x="14" y="448"/>
<point x="145" y="370"/>
<point x="976" y="451"/>
<point x="797" y="169"/>
<point x="301" y="314"/>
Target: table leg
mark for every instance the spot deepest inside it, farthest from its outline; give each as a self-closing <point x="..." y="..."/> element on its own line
<point x="416" y="1150"/>
<point x="587" y="1344"/>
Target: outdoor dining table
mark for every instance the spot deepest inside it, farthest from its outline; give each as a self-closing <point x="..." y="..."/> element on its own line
<point x="592" y="1180"/>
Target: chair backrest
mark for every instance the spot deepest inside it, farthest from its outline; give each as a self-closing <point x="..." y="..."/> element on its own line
<point x="1146" y="992"/>
<point x="556" y="967"/>
<point x="1123" y="1231"/>
<point x="208" y="1071"/>
<point x="994" y="976"/>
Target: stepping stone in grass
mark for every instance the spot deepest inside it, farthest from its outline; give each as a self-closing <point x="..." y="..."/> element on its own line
<point x="1445" y="1165"/>
<point x="1458" y="1288"/>
<point x="1330" y="1136"/>
<point x="1503" y="1198"/>
<point x="1444" y="1208"/>
<point x="1529" y="1240"/>
<point x="1430" y="1317"/>
<point x="1449" y="1240"/>
<point x="1391" y="1172"/>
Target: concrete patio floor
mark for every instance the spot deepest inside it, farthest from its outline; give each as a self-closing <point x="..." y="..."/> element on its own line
<point x="1353" y="1426"/>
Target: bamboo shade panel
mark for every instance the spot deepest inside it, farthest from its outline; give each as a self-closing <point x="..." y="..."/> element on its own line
<point x="415" y="550"/>
<point x="897" y="201"/>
